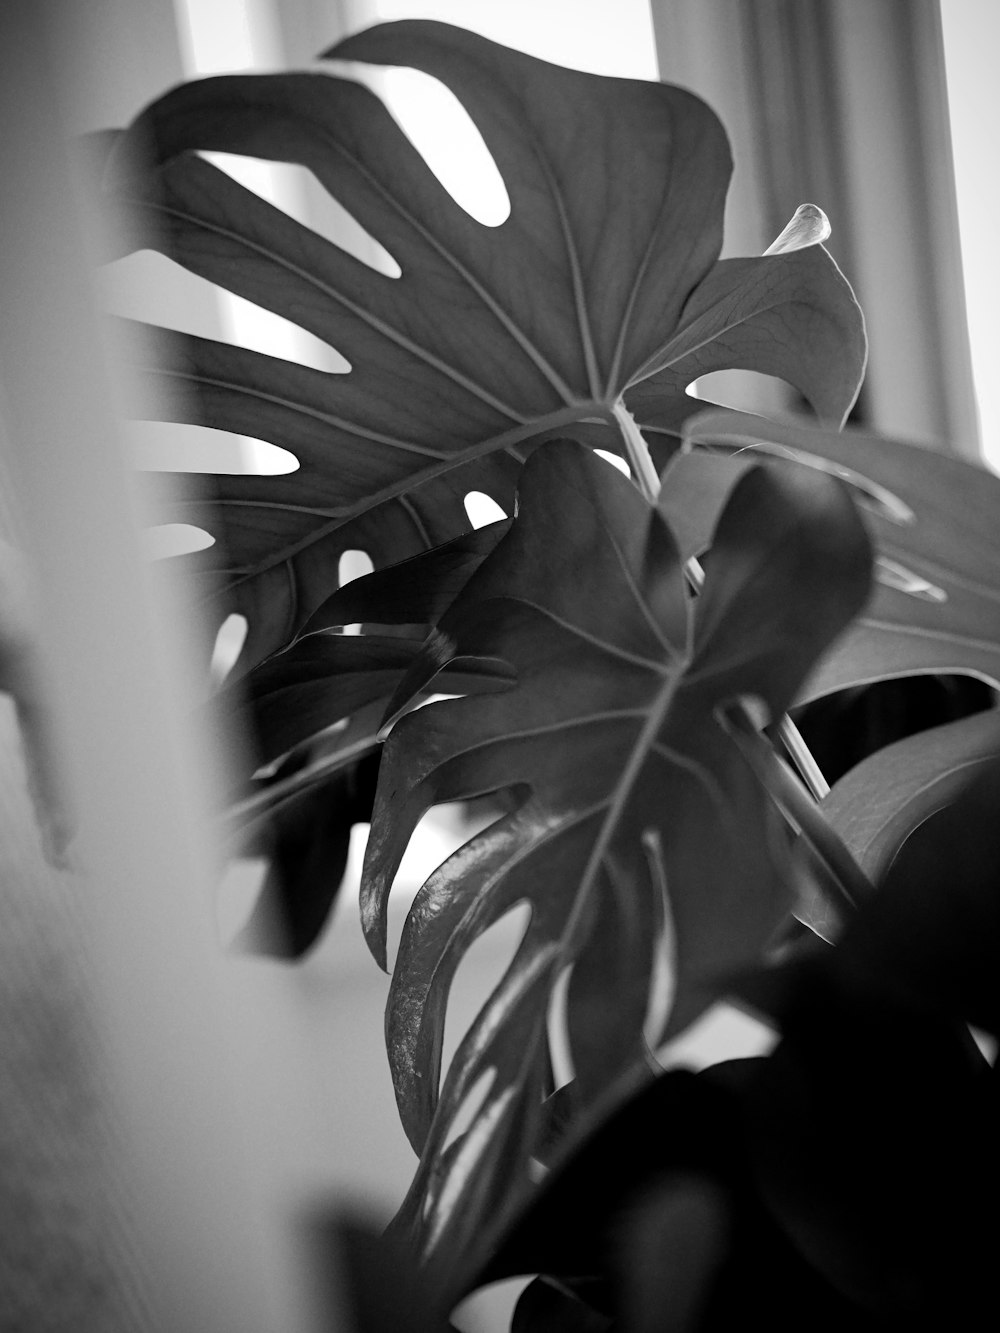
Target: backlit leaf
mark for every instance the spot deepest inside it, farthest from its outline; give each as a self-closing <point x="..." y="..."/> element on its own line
<point x="602" y="282"/>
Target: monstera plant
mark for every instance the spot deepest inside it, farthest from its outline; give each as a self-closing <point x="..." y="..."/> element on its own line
<point x="615" y="663"/>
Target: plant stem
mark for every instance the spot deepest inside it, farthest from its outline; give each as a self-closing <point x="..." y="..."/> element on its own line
<point x="801" y="756"/>
<point x="637" y="453"/>
<point x="788" y="733"/>
<point x="850" y="881"/>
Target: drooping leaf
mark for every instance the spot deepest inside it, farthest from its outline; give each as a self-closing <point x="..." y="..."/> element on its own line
<point x="636" y="807"/>
<point x="323" y="678"/>
<point x="935" y="520"/>
<point x="307" y="844"/>
<point x="316" y="683"/>
<point x="603" y="279"/>
<point x="879" y="803"/>
<point x="311" y="803"/>
<point x="417" y="591"/>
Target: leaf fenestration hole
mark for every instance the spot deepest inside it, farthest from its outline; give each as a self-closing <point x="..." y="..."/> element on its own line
<point x="470" y="1106"/>
<point x="228" y="645"/>
<point x="170" y="539"/>
<point x="166" y="446"/>
<point x="479" y="973"/>
<point x="722" y="1033"/>
<point x="443" y="132"/>
<point x="296" y="191"/>
<point x="259" y="330"/>
<point x="869" y="494"/>
<point x="557" y="1028"/>
<point x="744" y="391"/>
<point x="353" y="564"/>
<point x="148" y="287"/>
<point x="663" y="972"/>
<point x="482" y="510"/>
<point x="894" y="575"/>
<point x="615" y="460"/>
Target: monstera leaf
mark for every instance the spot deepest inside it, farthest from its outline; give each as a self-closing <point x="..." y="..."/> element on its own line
<point x="601" y="291"/>
<point x="639" y="828"/>
<point x="324" y="677"/>
<point x="935" y="520"/>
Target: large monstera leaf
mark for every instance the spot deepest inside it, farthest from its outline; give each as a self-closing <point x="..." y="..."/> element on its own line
<point x="601" y="289"/>
<point x="639" y="826"/>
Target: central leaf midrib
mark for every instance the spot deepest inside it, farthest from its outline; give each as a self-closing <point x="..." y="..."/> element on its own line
<point x="621" y="792"/>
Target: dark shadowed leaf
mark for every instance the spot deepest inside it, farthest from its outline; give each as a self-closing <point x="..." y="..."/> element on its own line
<point x="324" y="678"/>
<point x="872" y="1126"/>
<point x="879" y="803"/>
<point x="415" y="592"/>
<point x="872" y="1133"/>
<point x="611" y="1212"/>
<point x="932" y="932"/>
<point x="358" y="1274"/>
<point x="308" y="841"/>
<point x="671" y="1248"/>
<point x="547" y="1306"/>
<point x="639" y="820"/>
<point x="681" y="1125"/>
<point x="935" y="521"/>
<point x="603" y="281"/>
<point x="316" y="683"/>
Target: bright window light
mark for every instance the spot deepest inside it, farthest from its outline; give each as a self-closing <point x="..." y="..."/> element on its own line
<point x="974" y="109"/>
<point x="482" y="509"/>
<point x="597" y="37"/>
<point x="591" y="35"/>
<point x="218" y="37"/>
<point x="223" y="37"/>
